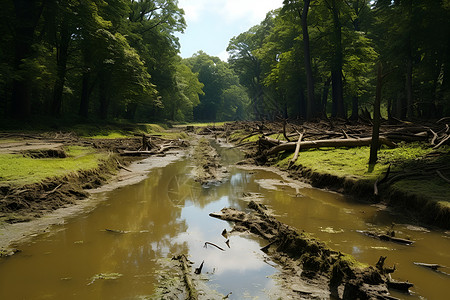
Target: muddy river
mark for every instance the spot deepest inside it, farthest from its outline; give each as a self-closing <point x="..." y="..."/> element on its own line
<point x="167" y="214"/>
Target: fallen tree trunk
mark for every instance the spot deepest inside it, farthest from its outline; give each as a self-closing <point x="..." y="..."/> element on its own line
<point x="327" y="143"/>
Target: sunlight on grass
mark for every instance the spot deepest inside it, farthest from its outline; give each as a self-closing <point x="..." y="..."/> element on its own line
<point x="354" y="161"/>
<point x="17" y="169"/>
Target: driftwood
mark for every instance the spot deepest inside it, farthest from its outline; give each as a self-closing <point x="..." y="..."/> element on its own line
<point x="442" y="142"/>
<point x="212" y="244"/>
<point x="327" y="143"/>
<point x="399" y="285"/>
<point x="297" y="149"/>
<point x="433" y="267"/>
<point x="385" y="237"/>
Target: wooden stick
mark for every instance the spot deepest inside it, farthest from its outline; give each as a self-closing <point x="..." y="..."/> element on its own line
<point x="297" y="149"/>
<point x="442" y="176"/>
<point x="442" y="142"/>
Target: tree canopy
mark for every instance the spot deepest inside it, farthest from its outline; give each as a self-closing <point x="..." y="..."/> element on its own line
<point x="115" y="59"/>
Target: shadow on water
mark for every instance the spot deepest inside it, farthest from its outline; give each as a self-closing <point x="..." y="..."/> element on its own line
<point x="167" y="214"/>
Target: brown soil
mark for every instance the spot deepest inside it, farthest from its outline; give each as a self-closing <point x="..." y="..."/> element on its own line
<point x="207" y="167"/>
<point x="310" y="270"/>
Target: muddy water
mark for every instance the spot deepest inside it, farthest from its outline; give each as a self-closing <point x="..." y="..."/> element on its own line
<point x="167" y="214"/>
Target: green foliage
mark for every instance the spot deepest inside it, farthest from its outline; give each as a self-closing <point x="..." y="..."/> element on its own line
<point x="223" y="97"/>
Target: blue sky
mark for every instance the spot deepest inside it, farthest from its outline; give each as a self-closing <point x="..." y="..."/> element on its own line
<point x="212" y="23"/>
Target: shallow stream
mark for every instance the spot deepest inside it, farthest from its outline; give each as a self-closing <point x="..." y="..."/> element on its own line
<point x="167" y="214"/>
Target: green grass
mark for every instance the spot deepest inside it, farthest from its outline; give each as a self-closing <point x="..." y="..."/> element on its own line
<point x="353" y="163"/>
<point x="19" y="170"/>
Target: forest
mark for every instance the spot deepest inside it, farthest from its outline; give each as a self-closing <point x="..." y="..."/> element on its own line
<point x="119" y="59"/>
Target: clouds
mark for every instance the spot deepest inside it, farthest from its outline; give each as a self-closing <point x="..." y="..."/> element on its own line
<point x="212" y="23"/>
<point x="251" y="11"/>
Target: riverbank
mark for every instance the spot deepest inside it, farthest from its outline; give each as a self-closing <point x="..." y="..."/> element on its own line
<point x="411" y="179"/>
<point x="47" y="178"/>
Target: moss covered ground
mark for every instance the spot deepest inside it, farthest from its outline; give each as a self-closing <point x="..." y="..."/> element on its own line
<point x="19" y="169"/>
<point x="417" y="158"/>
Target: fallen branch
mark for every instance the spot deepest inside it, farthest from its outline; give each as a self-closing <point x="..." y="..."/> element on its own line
<point x="297" y="149"/>
<point x="435" y="136"/>
<point x="442" y="176"/>
<point x="212" y="244"/>
<point x="433" y="267"/>
<point x="442" y="142"/>
<point x="328" y="143"/>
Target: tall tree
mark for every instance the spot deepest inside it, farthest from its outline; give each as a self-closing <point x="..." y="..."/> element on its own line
<point x="27" y="14"/>
<point x="303" y="15"/>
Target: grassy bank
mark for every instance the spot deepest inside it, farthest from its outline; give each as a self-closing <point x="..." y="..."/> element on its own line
<point x="20" y="169"/>
<point x="413" y="184"/>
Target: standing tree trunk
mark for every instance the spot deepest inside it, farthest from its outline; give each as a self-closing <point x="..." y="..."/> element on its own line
<point x="62" y="54"/>
<point x="85" y="93"/>
<point x="27" y="16"/>
<point x="336" y="68"/>
<point x="326" y="88"/>
<point x="310" y="109"/>
<point x="355" y="108"/>
<point x="408" y="89"/>
<point x="376" y="118"/>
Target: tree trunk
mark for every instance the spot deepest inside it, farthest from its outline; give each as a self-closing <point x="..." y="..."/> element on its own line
<point x="310" y="109"/>
<point x="61" y="62"/>
<point x="355" y="108"/>
<point x="27" y="13"/>
<point x="376" y="118"/>
<point x="326" y="89"/>
<point x="336" y="72"/>
<point x="103" y="96"/>
<point x="85" y="93"/>
<point x="408" y="89"/>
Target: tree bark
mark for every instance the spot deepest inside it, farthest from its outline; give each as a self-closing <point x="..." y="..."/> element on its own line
<point x="310" y="109"/>
<point x="376" y="118"/>
<point x="336" y="68"/>
<point x="85" y="93"/>
<point x="62" y="56"/>
<point x="27" y="16"/>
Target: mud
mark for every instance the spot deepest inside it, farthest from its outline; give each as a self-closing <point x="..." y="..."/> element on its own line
<point x="207" y="167"/>
<point x="310" y="269"/>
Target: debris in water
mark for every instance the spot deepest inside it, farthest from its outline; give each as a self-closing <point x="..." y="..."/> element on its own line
<point x="208" y="243"/>
<point x="116" y="231"/>
<point x="225" y="233"/>
<point x="331" y="230"/>
<point x="105" y="276"/>
<point x="199" y="269"/>
<point x="228" y="243"/>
